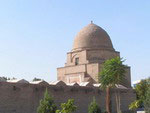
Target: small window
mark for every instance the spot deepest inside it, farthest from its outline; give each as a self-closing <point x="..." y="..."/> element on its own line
<point x="76" y="61"/>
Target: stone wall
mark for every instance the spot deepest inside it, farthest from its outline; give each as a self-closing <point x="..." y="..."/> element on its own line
<point x="24" y="98"/>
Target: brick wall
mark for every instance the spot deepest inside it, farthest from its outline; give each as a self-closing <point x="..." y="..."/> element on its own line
<point x="24" y="98"/>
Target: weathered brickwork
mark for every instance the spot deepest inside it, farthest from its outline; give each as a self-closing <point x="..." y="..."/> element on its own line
<point x="24" y="98"/>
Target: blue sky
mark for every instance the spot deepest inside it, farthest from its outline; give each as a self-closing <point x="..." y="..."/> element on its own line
<point x="35" y="35"/>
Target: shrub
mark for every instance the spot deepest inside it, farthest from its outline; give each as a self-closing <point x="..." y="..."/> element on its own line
<point x="68" y="107"/>
<point x="47" y="104"/>
<point x="93" y="107"/>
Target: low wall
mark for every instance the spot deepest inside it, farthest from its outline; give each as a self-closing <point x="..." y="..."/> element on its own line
<point x="24" y="98"/>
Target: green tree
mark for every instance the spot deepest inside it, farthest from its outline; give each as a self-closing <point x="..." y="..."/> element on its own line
<point x="3" y="79"/>
<point x="147" y="101"/>
<point x="112" y="73"/>
<point x="36" y="79"/>
<point x="68" y="107"/>
<point x="141" y="93"/>
<point x="47" y="104"/>
<point x="93" y="107"/>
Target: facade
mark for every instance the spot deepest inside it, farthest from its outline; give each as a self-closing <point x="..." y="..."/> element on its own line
<point x="91" y="47"/>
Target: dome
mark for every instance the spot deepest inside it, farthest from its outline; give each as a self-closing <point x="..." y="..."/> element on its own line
<point x="92" y="37"/>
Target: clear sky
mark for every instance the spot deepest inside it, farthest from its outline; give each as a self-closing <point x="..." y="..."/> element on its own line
<point x="35" y="35"/>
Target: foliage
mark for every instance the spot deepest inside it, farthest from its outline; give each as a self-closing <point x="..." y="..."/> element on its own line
<point x="36" y="79"/>
<point x="147" y="99"/>
<point x="141" y="92"/>
<point x="93" y="107"/>
<point x="6" y="78"/>
<point x="141" y="89"/>
<point x="3" y="78"/>
<point x="112" y="73"/>
<point x="68" y="107"/>
<point x="134" y="105"/>
<point x="47" y="104"/>
<point x="13" y="78"/>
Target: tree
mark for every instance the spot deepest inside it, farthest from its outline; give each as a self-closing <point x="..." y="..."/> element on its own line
<point x="147" y="101"/>
<point x="68" y="107"/>
<point x="141" y="93"/>
<point x="93" y="107"/>
<point x="3" y="79"/>
<point x="112" y="73"/>
<point x="36" y="79"/>
<point x="47" y="104"/>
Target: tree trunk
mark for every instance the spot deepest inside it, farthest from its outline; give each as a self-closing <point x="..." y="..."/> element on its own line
<point x="119" y="102"/>
<point x="108" y="99"/>
<point x="116" y="94"/>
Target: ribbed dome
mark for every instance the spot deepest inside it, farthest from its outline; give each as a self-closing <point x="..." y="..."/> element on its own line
<point x="92" y="37"/>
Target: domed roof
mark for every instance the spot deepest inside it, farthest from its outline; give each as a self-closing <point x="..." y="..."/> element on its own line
<point x="92" y="37"/>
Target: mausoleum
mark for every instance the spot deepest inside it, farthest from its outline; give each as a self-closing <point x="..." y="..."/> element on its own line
<point x="91" y="47"/>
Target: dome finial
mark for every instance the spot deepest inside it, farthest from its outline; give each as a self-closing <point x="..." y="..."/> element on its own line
<point x="91" y="22"/>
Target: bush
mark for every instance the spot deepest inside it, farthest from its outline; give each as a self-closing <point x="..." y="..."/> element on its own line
<point x="147" y="101"/>
<point x="93" y="107"/>
<point x="141" y="91"/>
<point x="68" y="107"/>
<point x="47" y="104"/>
